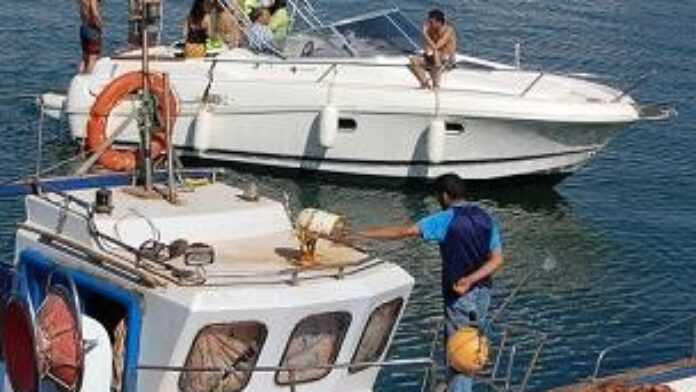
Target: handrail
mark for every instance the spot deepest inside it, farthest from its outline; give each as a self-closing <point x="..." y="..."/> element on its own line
<point x="634" y="85"/>
<point x="419" y="362"/>
<point x="292" y="276"/>
<point x="602" y="355"/>
<point x="427" y="364"/>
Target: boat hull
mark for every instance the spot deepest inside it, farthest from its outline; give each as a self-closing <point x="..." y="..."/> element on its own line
<point x="382" y="128"/>
<point x="388" y="146"/>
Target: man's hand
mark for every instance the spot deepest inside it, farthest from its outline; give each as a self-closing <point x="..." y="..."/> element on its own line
<point x="462" y="286"/>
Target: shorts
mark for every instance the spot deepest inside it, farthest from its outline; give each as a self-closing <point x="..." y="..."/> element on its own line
<point x="90" y="38"/>
<point x="447" y="63"/>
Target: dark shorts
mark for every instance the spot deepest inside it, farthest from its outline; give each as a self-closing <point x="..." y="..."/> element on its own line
<point x="447" y="63"/>
<point x="90" y="38"/>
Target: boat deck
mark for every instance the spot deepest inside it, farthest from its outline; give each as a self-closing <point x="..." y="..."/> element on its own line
<point x="252" y="241"/>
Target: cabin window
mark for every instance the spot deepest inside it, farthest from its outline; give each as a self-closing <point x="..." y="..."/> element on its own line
<point x="455" y="127"/>
<point x="316" y="341"/>
<point x="347" y="124"/>
<point x="376" y="334"/>
<point x="223" y="346"/>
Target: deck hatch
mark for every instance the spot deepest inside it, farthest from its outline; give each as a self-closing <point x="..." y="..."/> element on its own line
<point x="376" y="335"/>
<point x="316" y="341"/>
<point x="223" y="346"/>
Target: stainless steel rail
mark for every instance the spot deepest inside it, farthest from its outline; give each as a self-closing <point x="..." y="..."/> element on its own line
<point x="290" y="276"/>
<point x="425" y="364"/>
<point x="602" y="355"/>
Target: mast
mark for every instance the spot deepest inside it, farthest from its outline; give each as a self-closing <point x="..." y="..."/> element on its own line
<point x="149" y="26"/>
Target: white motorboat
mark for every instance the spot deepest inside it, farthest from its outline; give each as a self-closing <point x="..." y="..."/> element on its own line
<point x="339" y="97"/>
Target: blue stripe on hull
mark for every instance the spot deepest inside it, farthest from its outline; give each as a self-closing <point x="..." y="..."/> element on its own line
<point x="35" y="267"/>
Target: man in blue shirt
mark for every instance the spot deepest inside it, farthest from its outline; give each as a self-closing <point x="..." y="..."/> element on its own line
<point x="471" y="252"/>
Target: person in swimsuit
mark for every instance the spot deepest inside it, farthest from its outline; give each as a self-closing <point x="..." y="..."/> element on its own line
<point x="197" y="29"/>
<point x="440" y="50"/>
<point x="90" y="34"/>
<point x="226" y="26"/>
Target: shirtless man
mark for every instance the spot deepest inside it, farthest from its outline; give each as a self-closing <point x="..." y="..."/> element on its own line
<point x="90" y="33"/>
<point x="440" y="49"/>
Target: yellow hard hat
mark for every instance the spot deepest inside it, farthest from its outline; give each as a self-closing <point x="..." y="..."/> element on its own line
<point x="467" y="350"/>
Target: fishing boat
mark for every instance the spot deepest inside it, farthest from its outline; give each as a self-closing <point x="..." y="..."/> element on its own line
<point x="112" y="290"/>
<point x="338" y="96"/>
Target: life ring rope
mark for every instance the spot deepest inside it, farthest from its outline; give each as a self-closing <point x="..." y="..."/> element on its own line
<point x="112" y="95"/>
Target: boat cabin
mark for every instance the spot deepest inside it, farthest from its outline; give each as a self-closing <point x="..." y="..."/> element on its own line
<point x="203" y="295"/>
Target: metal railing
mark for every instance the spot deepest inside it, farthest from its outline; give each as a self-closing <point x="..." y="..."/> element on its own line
<point x="198" y="276"/>
<point x="506" y="354"/>
<point x="603" y="354"/>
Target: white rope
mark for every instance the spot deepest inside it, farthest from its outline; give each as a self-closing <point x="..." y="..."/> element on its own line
<point x="155" y="233"/>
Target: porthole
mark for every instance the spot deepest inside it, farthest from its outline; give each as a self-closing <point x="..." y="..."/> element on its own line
<point x="347" y="124"/>
<point x="454" y="128"/>
<point x="376" y="335"/>
<point x="314" y="344"/>
<point x="223" y="346"/>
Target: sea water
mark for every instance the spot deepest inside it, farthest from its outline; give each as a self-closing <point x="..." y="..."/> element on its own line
<point x="619" y="234"/>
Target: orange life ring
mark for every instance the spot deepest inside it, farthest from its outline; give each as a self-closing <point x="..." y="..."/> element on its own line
<point x="112" y="95"/>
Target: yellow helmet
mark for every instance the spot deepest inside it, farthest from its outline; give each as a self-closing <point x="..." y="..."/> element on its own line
<point x="467" y="350"/>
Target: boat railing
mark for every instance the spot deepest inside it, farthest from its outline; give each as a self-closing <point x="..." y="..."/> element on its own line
<point x="501" y="374"/>
<point x="149" y="270"/>
<point x="649" y="335"/>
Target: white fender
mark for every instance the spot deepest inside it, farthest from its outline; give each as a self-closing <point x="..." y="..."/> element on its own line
<point x="98" y="360"/>
<point x="328" y="126"/>
<point x="436" y="141"/>
<point x="53" y="104"/>
<point x="201" y="129"/>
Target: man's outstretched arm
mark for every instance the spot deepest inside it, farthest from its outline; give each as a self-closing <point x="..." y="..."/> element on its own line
<point x="390" y="232"/>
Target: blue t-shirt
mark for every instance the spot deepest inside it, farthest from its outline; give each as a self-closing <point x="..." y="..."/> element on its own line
<point x="434" y="228"/>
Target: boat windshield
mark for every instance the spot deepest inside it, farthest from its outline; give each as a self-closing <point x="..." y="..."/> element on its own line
<point x="386" y="32"/>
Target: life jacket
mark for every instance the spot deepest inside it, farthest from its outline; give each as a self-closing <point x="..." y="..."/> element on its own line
<point x="466" y="248"/>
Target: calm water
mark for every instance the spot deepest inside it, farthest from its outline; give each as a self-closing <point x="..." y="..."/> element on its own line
<point x="621" y="231"/>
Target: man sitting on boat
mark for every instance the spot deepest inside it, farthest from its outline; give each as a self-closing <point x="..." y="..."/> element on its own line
<point x="440" y="50"/>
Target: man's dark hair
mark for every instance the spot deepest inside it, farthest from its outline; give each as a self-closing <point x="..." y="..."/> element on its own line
<point x="451" y="184"/>
<point x="436" y="14"/>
